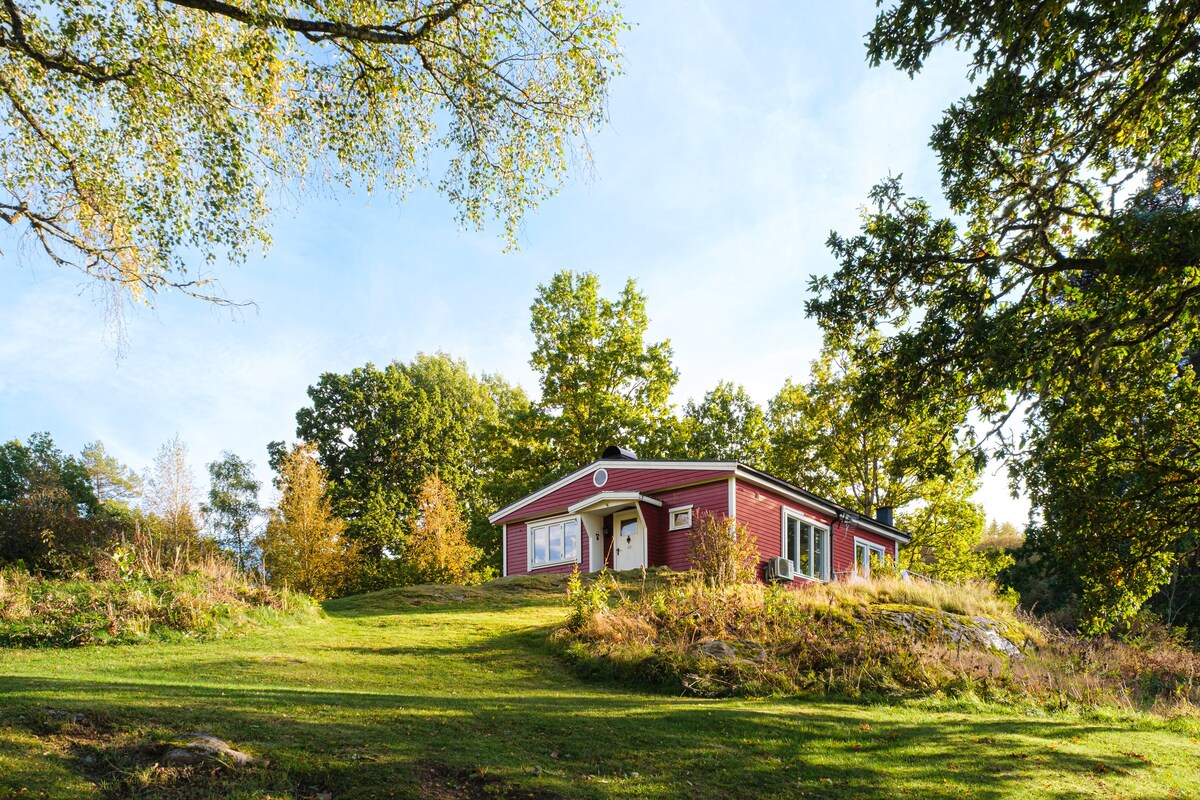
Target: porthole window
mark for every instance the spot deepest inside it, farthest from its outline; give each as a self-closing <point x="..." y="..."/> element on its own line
<point x="600" y="477"/>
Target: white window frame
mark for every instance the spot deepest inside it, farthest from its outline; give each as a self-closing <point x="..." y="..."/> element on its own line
<point x="530" y="527"/>
<point x="819" y="529"/>
<point x="872" y="547"/>
<point x="671" y="517"/>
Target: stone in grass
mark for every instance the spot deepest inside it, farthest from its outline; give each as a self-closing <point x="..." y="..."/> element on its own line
<point x="731" y="652"/>
<point x="201" y="748"/>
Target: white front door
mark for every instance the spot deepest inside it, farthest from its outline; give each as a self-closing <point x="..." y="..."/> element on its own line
<point x="627" y="541"/>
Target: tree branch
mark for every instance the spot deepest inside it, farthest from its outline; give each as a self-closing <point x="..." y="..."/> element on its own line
<point x="326" y="30"/>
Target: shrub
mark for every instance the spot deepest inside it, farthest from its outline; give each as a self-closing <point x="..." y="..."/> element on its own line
<point x="723" y="551"/>
<point x="587" y="601"/>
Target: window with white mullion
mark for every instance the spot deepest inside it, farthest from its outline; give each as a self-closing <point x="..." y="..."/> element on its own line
<point x="865" y="555"/>
<point x="805" y="545"/>
<point x="554" y="542"/>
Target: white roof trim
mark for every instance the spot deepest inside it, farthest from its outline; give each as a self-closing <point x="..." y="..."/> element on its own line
<point x="705" y="466"/>
<point x="796" y="496"/>
<point x="612" y="498"/>
<point x="866" y="523"/>
<point x="857" y="520"/>
<point x="610" y="465"/>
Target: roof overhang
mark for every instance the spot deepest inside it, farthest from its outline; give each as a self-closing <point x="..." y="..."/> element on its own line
<point x="611" y="500"/>
<point x="609" y="464"/>
<point x="741" y="471"/>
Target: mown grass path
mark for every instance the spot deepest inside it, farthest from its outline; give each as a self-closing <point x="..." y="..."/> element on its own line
<point x="404" y="695"/>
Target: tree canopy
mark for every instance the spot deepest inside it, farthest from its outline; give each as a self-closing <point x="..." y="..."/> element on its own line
<point x="1066" y="282"/>
<point x="379" y="433"/>
<point x="171" y="494"/>
<point x="112" y="481"/>
<point x="436" y="549"/>
<point x="233" y="505"/>
<point x="49" y="515"/>
<point x="831" y="437"/>
<point x="601" y="382"/>
<point x="727" y="424"/>
<point x="142" y="138"/>
<point x="303" y="546"/>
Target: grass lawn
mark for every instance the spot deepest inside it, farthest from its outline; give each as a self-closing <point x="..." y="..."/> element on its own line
<point x="418" y="694"/>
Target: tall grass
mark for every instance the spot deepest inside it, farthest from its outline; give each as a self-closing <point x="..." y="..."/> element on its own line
<point x="885" y="636"/>
<point x="203" y="598"/>
<point x="975" y="598"/>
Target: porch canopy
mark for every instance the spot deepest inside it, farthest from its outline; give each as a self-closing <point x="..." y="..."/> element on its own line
<point x="604" y="502"/>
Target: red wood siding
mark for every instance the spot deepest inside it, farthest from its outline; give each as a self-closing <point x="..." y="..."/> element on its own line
<point x="518" y="552"/>
<point x="843" y="547"/>
<point x="621" y="479"/>
<point x="656" y="528"/>
<point x="672" y="548"/>
<point x="762" y="511"/>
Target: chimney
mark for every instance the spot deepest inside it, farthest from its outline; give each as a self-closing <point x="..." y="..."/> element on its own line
<point x="884" y="514"/>
<point x="615" y="453"/>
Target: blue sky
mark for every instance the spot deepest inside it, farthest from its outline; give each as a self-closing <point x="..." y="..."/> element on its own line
<point x="739" y="137"/>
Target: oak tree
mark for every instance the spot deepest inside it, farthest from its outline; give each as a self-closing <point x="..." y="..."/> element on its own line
<point x="1064" y="283"/>
<point x="601" y="382"/>
<point x="834" y="438"/>
<point x="727" y="425"/>
<point x="379" y="433"/>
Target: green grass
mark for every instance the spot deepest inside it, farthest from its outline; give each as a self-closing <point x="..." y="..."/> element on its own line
<point x="457" y="693"/>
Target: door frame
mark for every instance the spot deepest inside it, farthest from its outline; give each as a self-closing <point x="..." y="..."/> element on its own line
<point x="619" y="517"/>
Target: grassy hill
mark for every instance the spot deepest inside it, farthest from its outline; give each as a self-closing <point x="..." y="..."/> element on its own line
<point x="457" y="693"/>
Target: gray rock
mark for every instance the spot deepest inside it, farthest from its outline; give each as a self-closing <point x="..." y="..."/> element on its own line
<point x="201" y="748"/>
<point x="718" y="650"/>
<point x="980" y="632"/>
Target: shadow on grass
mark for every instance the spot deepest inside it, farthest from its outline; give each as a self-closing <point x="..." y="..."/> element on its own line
<point x="511" y="593"/>
<point x="414" y="606"/>
<point x="570" y="739"/>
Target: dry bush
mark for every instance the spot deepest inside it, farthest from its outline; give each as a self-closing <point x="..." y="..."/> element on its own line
<point x="723" y="551"/>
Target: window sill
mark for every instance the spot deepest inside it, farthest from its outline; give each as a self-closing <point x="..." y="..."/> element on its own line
<point x="533" y="567"/>
<point x="796" y="576"/>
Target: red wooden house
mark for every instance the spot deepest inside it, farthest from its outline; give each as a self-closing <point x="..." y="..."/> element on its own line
<point x="624" y="513"/>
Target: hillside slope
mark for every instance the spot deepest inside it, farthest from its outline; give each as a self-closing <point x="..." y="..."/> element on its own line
<point x="455" y="693"/>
